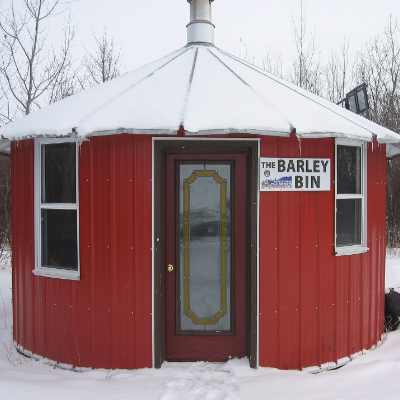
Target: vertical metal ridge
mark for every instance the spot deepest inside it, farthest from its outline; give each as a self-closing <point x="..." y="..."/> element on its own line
<point x="131" y="200"/>
<point x="189" y="87"/>
<point x="143" y="243"/>
<point x="115" y="160"/>
<point x="135" y="261"/>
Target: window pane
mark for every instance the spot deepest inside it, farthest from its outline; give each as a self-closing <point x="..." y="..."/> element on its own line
<point x="361" y="100"/>
<point x="59" y="173"/>
<point x="59" y="239"/>
<point x="348" y="222"/>
<point x="349" y="169"/>
<point x="205" y="250"/>
<point x="352" y="103"/>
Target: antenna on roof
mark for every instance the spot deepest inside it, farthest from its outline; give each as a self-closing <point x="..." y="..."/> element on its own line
<point x="200" y="28"/>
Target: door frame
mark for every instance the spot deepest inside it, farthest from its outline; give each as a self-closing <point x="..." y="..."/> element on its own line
<point x="163" y="146"/>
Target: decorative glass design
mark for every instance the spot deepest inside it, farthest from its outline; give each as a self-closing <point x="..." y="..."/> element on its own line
<point x="205" y="248"/>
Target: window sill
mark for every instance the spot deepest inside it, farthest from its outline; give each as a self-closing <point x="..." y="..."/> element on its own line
<point x="57" y="273"/>
<point x="350" y="250"/>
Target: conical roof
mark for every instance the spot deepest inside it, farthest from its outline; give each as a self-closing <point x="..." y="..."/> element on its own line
<point x="205" y="90"/>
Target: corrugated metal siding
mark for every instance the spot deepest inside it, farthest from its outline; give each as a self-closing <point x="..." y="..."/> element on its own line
<point x="103" y="320"/>
<point x="316" y="307"/>
<point x="22" y="225"/>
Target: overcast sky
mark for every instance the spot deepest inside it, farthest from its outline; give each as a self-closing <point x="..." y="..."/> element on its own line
<point x="150" y="29"/>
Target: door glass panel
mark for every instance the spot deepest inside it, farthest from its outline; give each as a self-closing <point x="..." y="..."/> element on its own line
<point x="205" y="247"/>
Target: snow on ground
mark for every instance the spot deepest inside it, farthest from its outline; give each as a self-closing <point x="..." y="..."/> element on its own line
<point x="368" y="377"/>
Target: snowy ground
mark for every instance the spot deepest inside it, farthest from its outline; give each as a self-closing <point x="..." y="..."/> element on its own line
<point x="368" y="377"/>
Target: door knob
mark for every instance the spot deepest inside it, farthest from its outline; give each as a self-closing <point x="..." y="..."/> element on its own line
<point x="170" y="267"/>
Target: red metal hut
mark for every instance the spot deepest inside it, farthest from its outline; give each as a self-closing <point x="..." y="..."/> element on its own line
<point x="198" y="208"/>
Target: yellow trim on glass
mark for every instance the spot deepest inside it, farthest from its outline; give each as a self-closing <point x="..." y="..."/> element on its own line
<point x="186" y="259"/>
<point x="187" y="294"/>
<point x="223" y="199"/>
<point x="223" y="294"/>
<point x="186" y="243"/>
<point x="186" y="200"/>
<point x="203" y="321"/>
<point x="218" y="316"/>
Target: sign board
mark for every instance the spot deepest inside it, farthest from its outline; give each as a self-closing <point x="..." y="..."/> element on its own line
<point x="295" y="174"/>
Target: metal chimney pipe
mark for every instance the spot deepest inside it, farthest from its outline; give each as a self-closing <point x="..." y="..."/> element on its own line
<point x="200" y="29"/>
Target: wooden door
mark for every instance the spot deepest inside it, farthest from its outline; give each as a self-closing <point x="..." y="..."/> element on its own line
<point x="205" y="257"/>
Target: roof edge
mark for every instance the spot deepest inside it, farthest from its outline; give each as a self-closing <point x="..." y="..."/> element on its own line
<point x="233" y="130"/>
<point x="5" y="142"/>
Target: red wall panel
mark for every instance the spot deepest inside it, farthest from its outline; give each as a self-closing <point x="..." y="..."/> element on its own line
<point x="22" y="224"/>
<point x="314" y="306"/>
<point x="103" y="320"/>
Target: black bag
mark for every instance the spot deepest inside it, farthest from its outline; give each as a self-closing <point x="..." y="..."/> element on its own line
<point x="392" y="310"/>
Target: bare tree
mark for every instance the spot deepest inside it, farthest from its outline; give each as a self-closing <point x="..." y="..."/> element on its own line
<point x="273" y="63"/>
<point x="244" y="52"/>
<point x="67" y="82"/>
<point x="32" y="73"/>
<point x="28" y="65"/>
<point x="393" y="203"/>
<point x="7" y="112"/>
<point x="104" y="63"/>
<point x="379" y="65"/>
<point x="338" y="73"/>
<point x="306" y="68"/>
<point x="5" y="206"/>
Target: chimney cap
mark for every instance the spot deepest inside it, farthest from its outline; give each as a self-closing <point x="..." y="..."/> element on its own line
<point x="200" y="29"/>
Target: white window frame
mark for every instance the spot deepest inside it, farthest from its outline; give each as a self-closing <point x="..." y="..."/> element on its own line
<point x="41" y="270"/>
<point x="359" y="248"/>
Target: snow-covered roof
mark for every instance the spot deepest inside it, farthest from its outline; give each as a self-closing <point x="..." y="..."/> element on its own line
<point x="203" y="89"/>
